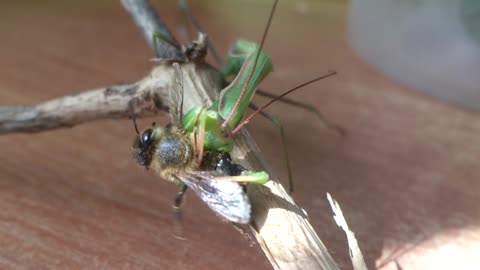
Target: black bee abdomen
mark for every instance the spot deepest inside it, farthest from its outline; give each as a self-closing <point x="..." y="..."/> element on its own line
<point x="222" y="162"/>
<point x="174" y="152"/>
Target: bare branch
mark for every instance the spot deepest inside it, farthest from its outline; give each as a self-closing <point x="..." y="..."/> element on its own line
<point x="149" y="23"/>
<point x="145" y="97"/>
<point x="67" y="111"/>
<point x="280" y="226"/>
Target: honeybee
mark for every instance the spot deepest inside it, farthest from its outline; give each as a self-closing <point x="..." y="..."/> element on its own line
<point x="177" y="156"/>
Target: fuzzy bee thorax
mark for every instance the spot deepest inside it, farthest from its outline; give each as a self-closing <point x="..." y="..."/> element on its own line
<point x="173" y="153"/>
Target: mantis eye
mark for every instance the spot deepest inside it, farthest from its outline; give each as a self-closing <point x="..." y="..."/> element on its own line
<point x="147" y="136"/>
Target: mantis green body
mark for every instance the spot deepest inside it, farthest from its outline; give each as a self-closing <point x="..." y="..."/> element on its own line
<point x="250" y="67"/>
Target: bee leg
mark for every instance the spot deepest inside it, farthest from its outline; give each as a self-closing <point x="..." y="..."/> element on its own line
<point x="178" y="212"/>
<point x="178" y="201"/>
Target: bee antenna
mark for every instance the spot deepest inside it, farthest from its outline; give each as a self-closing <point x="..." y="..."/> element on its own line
<point x="132" y="114"/>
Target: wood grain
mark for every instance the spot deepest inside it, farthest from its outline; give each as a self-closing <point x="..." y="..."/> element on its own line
<point x="405" y="175"/>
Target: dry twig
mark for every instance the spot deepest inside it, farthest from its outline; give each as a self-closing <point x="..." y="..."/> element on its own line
<point x="68" y="111"/>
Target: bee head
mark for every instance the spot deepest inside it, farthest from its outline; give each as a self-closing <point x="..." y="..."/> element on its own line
<point x="144" y="146"/>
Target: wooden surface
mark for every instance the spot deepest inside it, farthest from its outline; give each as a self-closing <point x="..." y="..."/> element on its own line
<point x="405" y="175"/>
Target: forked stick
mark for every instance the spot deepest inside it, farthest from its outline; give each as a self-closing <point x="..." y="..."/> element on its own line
<point x="281" y="227"/>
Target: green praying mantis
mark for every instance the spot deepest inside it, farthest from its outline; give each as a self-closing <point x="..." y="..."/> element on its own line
<point x="180" y="151"/>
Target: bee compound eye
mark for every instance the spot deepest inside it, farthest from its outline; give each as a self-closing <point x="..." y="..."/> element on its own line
<point x="147" y="136"/>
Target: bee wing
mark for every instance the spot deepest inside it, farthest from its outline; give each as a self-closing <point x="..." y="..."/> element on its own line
<point x="176" y="95"/>
<point x="225" y="198"/>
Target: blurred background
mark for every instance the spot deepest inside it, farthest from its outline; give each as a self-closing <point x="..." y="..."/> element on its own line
<point x="430" y="45"/>
<point x="405" y="174"/>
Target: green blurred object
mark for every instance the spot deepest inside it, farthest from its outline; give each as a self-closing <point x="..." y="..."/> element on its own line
<point x="432" y="46"/>
<point x="471" y="17"/>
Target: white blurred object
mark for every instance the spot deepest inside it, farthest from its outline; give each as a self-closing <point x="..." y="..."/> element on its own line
<point x="430" y="45"/>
